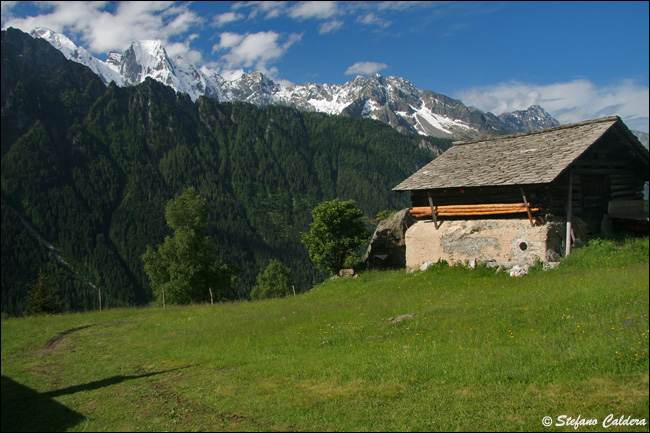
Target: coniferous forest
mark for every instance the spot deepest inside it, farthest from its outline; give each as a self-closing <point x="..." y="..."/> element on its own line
<point x="87" y="171"/>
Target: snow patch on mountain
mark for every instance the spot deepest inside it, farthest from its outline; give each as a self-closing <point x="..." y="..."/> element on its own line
<point x="426" y="120"/>
<point x="368" y="107"/>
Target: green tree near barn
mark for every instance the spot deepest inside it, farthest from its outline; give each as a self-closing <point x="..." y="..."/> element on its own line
<point x="184" y="269"/>
<point x="276" y="281"/>
<point x="336" y="233"/>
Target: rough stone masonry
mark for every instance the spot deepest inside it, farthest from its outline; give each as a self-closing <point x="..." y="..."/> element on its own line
<point x="502" y="240"/>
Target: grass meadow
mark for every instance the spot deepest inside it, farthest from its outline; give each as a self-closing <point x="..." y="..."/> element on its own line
<point x="447" y="349"/>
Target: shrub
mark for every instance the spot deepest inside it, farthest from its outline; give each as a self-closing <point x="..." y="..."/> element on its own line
<point x="276" y="281"/>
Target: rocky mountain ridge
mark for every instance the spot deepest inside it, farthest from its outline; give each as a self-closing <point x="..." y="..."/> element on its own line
<point x="393" y="100"/>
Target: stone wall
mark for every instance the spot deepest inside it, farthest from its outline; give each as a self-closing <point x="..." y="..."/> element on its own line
<point x="503" y="240"/>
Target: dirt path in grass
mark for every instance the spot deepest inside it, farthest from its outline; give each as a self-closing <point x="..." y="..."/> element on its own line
<point x="59" y="341"/>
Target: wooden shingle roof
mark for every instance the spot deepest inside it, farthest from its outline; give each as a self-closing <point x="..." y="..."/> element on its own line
<point x="536" y="157"/>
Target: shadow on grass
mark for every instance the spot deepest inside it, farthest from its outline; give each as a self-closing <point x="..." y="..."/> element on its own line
<point x="24" y="409"/>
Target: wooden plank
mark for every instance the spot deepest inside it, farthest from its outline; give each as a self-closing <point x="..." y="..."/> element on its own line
<point x="441" y="211"/>
<point x="433" y="211"/>
<point x="530" y="215"/>
<point x="470" y="207"/>
<point x="474" y="212"/>
<point x="501" y="212"/>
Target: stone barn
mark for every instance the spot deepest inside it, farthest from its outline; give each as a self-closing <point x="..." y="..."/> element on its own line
<point x="517" y="198"/>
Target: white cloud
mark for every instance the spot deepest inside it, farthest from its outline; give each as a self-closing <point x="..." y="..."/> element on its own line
<point x="60" y="16"/>
<point x="226" y="18"/>
<point x="330" y="26"/>
<point x="183" y="49"/>
<point x="365" y="68"/>
<point x="314" y="9"/>
<point x="270" y="9"/>
<point x="568" y="102"/>
<point x="373" y="20"/>
<point x="228" y="40"/>
<point x="102" y="31"/>
<point x="255" y="50"/>
<point x="404" y="5"/>
<point x="6" y="7"/>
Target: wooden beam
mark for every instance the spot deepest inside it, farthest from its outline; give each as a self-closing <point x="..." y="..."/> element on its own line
<point x="568" y="215"/>
<point x="433" y="211"/>
<point x="530" y="215"/>
<point x="471" y="213"/>
<point x="478" y="213"/>
<point x="461" y="207"/>
<point x="469" y="210"/>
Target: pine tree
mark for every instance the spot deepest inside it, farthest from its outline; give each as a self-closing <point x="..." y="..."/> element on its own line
<point x="40" y="299"/>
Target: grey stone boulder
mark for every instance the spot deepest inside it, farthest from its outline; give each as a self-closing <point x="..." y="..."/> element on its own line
<point x="387" y="249"/>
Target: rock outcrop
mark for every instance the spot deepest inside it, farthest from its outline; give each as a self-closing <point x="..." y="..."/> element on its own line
<point x="387" y="247"/>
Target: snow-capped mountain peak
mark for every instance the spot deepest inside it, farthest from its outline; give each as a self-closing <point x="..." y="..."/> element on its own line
<point x="146" y="59"/>
<point x="78" y="54"/>
<point x="58" y="41"/>
<point x="393" y="100"/>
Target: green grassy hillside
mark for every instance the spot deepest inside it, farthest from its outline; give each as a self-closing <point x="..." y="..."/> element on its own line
<point x="444" y="349"/>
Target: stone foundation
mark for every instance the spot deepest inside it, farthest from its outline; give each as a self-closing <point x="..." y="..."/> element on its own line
<point x="466" y="241"/>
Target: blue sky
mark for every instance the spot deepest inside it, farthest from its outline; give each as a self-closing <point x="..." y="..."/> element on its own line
<point x="579" y="60"/>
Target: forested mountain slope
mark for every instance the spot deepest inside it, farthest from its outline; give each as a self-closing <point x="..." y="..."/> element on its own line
<point x="90" y="168"/>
